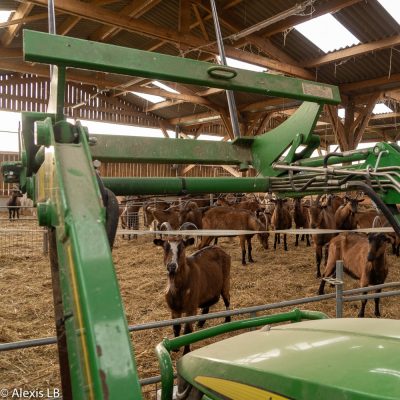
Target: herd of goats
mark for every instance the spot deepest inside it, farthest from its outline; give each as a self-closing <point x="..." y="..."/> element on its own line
<point x="198" y="280"/>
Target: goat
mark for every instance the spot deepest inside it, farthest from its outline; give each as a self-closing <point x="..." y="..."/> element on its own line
<point x="245" y="204"/>
<point x="231" y="218"/>
<point x="364" y="259"/>
<point x="195" y="281"/>
<point x="191" y="212"/>
<point x="322" y="217"/>
<point x="334" y="201"/>
<point x="13" y="204"/>
<point x="345" y="215"/>
<point x="281" y="219"/>
<point x="149" y="207"/>
<point x="365" y="219"/>
<point x="301" y="218"/>
<point x="170" y="215"/>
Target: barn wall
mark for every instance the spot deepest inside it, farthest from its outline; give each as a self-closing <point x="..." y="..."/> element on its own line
<point x="130" y="169"/>
<point x="28" y="92"/>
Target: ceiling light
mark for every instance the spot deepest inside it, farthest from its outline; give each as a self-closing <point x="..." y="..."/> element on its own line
<point x="298" y="8"/>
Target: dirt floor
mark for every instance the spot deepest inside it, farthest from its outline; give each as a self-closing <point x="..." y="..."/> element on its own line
<point x="26" y="309"/>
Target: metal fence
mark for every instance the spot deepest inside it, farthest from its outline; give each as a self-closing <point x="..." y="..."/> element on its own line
<point x="341" y="296"/>
<point x="21" y="237"/>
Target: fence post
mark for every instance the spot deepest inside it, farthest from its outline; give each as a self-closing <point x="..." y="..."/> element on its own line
<point x="339" y="289"/>
<point x="45" y="242"/>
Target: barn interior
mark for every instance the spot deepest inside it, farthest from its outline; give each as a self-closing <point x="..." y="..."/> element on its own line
<point x="266" y="37"/>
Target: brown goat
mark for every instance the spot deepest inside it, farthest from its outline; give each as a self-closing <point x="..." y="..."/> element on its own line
<point x="321" y="217"/>
<point x="170" y="215"/>
<point x="345" y="215"/>
<point x="365" y="219"/>
<point x="364" y="259"/>
<point x="196" y="281"/>
<point x="301" y="218"/>
<point x="332" y="200"/>
<point x="231" y="218"/>
<point x="149" y="207"/>
<point x="281" y="219"/>
<point x="191" y="212"/>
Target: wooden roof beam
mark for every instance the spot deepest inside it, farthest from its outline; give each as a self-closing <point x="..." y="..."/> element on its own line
<point x="371" y="85"/>
<point x="200" y="21"/>
<point x="22" y="11"/>
<point x="107" y="17"/>
<point x="353" y="51"/>
<point x="134" y="9"/>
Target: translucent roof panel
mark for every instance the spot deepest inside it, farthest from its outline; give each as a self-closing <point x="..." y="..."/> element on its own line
<point x="243" y="65"/>
<point x="5" y="15"/>
<point x="150" y="97"/>
<point x="164" y="86"/>
<point x="327" y="33"/>
<point x="381" y="108"/>
<point x="392" y="7"/>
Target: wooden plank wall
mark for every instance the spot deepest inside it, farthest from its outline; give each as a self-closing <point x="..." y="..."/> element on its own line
<point x="25" y="92"/>
<point x="129" y="169"/>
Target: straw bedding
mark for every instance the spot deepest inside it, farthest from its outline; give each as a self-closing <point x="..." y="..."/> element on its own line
<point x="26" y="306"/>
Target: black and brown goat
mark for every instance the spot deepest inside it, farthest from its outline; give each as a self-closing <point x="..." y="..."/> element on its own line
<point x="301" y="218"/>
<point x="322" y="216"/>
<point x="14" y="204"/>
<point x="195" y="281"/>
<point x="345" y="215"/>
<point x="281" y="219"/>
<point x="364" y="259"/>
<point x="229" y="218"/>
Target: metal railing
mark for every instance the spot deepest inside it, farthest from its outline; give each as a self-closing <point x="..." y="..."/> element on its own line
<point x="341" y="296"/>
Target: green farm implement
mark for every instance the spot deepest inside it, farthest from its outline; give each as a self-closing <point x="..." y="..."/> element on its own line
<point x="327" y="359"/>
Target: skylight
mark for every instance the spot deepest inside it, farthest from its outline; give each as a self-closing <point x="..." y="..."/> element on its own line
<point x="5" y="15"/>
<point x="164" y="87"/>
<point x="150" y="97"/>
<point x="243" y="65"/>
<point x="381" y="108"/>
<point x="327" y="33"/>
<point x="392" y="7"/>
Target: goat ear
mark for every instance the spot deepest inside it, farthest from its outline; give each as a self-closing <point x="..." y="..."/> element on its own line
<point x="159" y="242"/>
<point x="188" y="242"/>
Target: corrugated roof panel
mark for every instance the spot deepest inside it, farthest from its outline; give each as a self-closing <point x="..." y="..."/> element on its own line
<point x="368" y="21"/>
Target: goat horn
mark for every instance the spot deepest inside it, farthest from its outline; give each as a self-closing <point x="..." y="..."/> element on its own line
<point x="188" y="226"/>
<point x="165" y="225"/>
<point x="377" y="220"/>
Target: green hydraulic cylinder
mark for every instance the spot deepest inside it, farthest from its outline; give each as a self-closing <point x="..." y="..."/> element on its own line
<point x="179" y="186"/>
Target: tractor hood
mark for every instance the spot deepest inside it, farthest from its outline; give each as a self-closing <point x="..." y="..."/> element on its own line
<point x="329" y="359"/>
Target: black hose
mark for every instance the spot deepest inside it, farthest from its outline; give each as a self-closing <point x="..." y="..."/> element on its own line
<point x="331" y="155"/>
<point x="387" y="210"/>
